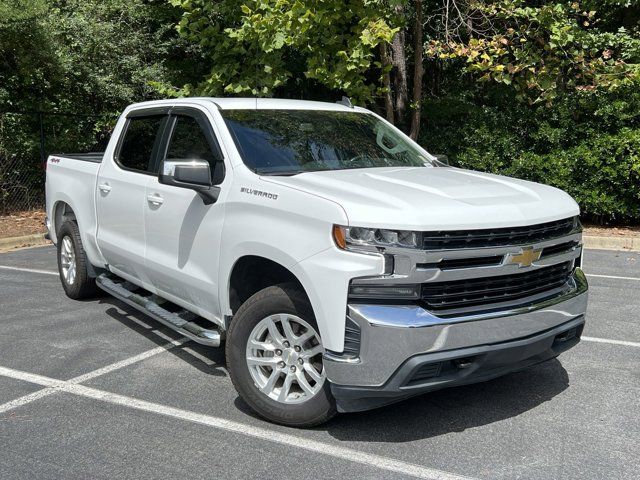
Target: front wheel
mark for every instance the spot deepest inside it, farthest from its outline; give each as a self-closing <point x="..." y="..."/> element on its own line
<point x="274" y="355"/>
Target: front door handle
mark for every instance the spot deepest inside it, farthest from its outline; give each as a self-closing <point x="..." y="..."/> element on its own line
<point x="155" y="199"/>
<point x="104" y="187"/>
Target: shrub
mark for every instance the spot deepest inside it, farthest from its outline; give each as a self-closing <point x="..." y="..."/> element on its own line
<point x="588" y="146"/>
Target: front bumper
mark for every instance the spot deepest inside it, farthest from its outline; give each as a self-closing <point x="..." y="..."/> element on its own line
<point x="406" y="350"/>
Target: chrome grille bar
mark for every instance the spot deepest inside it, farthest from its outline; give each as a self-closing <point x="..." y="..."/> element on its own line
<point x="495" y="237"/>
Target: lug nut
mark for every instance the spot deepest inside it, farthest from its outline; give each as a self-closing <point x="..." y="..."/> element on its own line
<point x="286" y="344"/>
<point x="278" y="352"/>
<point x="296" y="348"/>
<point x="293" y="369"/>
<point x="281" y="364"/>
<point x="300" y="361"/>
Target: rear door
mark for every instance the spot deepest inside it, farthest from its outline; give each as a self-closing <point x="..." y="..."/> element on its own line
<point x="183" y="234"/>
<point x="120" y="199"/>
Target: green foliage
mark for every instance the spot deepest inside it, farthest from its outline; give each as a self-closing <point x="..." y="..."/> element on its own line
<point x="544" y="49"/>
<point x="546" y="91"/>
<point x="261" y="46"/>
<point x="587" y="145"/>
<point x="82" y="62"/>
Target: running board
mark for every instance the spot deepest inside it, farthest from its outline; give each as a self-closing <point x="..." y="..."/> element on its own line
<point x="150" y="306"/>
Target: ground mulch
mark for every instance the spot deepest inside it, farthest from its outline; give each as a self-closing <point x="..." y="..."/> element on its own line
<point x="18" y="224"/>
<point x="598" y="231"/>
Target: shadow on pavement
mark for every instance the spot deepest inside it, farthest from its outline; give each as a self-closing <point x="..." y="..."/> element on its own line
<point x="454" y="409"/>
<point x="449" y="410"/>
<point x="216" y="355"/>
<point x="428" y="415"/>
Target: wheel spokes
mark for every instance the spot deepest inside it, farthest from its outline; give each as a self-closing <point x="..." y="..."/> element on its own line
<point x="274" y="332"/>
<point x="280" y="365"/>
<point x="264" y="346"/>
<point x="312" y="352"/>
<point x="288" y="332"/>
<point x="312" y="372"/>
<point x="271" y="382"/>
<point x="262" y="361"/>
<point x="286" y="387"/>
<point x="304" y="384"/>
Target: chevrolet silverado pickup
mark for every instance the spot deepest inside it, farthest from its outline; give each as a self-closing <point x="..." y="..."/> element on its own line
<point x="342" y="265"/>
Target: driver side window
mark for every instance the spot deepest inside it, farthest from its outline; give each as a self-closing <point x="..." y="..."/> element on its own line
<point x="189" y="142"/>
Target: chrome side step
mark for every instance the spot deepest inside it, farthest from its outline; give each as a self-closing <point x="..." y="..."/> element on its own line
<point x="149" y="305"/>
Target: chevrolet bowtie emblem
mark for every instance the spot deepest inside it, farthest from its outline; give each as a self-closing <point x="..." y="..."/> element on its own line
<point x="524" y="258"/>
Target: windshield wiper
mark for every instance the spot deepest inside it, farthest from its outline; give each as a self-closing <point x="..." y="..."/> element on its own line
<point x="284" y="173"/>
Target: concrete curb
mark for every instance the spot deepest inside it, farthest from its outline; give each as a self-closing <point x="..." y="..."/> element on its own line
<point x="24" y="241"/>
<point x="612" y="243"/>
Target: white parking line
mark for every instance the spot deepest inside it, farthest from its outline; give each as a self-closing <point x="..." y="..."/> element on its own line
<point x="336" y="451"/>
<point x="611" y="342"/>
<point x="128" y="361"/>
<point x="199" y="356"/>
<point x="613" y="277"/>
<point x="53" y="386"/>
<point x="30" y="270"/>
<point x="18" y="402"/>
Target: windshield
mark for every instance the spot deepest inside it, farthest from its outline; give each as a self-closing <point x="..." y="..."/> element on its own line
<point x="287" y="142"/>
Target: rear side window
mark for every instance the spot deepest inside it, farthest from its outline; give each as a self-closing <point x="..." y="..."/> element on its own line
<point x="137" y="148"/>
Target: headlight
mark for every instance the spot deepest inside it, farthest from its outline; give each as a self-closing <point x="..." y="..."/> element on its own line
<point x="360" y="238"/>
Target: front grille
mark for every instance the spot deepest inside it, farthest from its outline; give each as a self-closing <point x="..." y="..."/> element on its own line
<point x="559" y="248"/>
<point x="481" y="291"/>
<point x="454" y="263"/>
<point x="498" y="237"/>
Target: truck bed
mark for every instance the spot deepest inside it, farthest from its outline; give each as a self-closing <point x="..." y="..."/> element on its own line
<point x="94" y="157"/>
<point x="72" y="180"/>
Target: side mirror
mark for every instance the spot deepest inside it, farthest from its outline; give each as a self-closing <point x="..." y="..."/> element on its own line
<point x="192" y="174"/>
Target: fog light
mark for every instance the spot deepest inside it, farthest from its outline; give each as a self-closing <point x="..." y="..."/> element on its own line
<point x="411" y="292"/>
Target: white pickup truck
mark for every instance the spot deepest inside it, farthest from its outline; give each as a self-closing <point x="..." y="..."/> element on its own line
<point x="343" y="266"/>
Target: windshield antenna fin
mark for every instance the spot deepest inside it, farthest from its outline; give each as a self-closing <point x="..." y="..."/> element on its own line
<point x="346" y="101"/>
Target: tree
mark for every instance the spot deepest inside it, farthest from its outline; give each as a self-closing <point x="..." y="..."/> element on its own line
<point x="81" y="62"/>
<point x="365" y="49"/>
<point x="542" y="49"/>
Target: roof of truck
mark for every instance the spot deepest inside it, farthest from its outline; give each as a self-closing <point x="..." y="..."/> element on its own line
<point x="248" y="103"/>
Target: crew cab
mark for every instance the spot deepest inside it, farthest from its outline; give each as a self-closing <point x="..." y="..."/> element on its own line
<point x="342" y="265"/>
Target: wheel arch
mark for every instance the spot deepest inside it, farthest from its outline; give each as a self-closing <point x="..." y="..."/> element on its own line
<point x="62" y="211"/>
<point x="252" y="273"/>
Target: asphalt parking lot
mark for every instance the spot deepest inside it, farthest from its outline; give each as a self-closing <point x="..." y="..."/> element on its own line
<point x="94" y="389"/>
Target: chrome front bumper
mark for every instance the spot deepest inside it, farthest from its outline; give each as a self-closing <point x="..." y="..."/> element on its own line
<point x="390" y="335"/>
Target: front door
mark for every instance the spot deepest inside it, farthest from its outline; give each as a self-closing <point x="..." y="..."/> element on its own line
<point x="182" y="233"/>
<point x="120" y="198"/>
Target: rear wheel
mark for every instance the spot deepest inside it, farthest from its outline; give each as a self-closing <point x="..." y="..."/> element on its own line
<point x="72" y="263"/>
<point x="274" y="354"/>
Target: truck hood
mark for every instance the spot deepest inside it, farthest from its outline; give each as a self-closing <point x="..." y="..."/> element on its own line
<point x="431" y="198"/>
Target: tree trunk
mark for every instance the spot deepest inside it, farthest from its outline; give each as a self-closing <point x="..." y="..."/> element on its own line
<point x="400" y="70"/>
<point x="418" y="71"/>
<point x="386" y="81"/>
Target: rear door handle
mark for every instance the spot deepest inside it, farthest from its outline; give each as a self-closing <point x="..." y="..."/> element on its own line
<point x="155" y="199"/>
<point x="104" y="187"/>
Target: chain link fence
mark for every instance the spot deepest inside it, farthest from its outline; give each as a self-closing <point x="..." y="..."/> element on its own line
<point x="27" y="138"/>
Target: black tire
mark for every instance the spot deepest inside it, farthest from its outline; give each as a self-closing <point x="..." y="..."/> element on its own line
<point x="83" y="286"/>
<point x="283" y="298"/>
